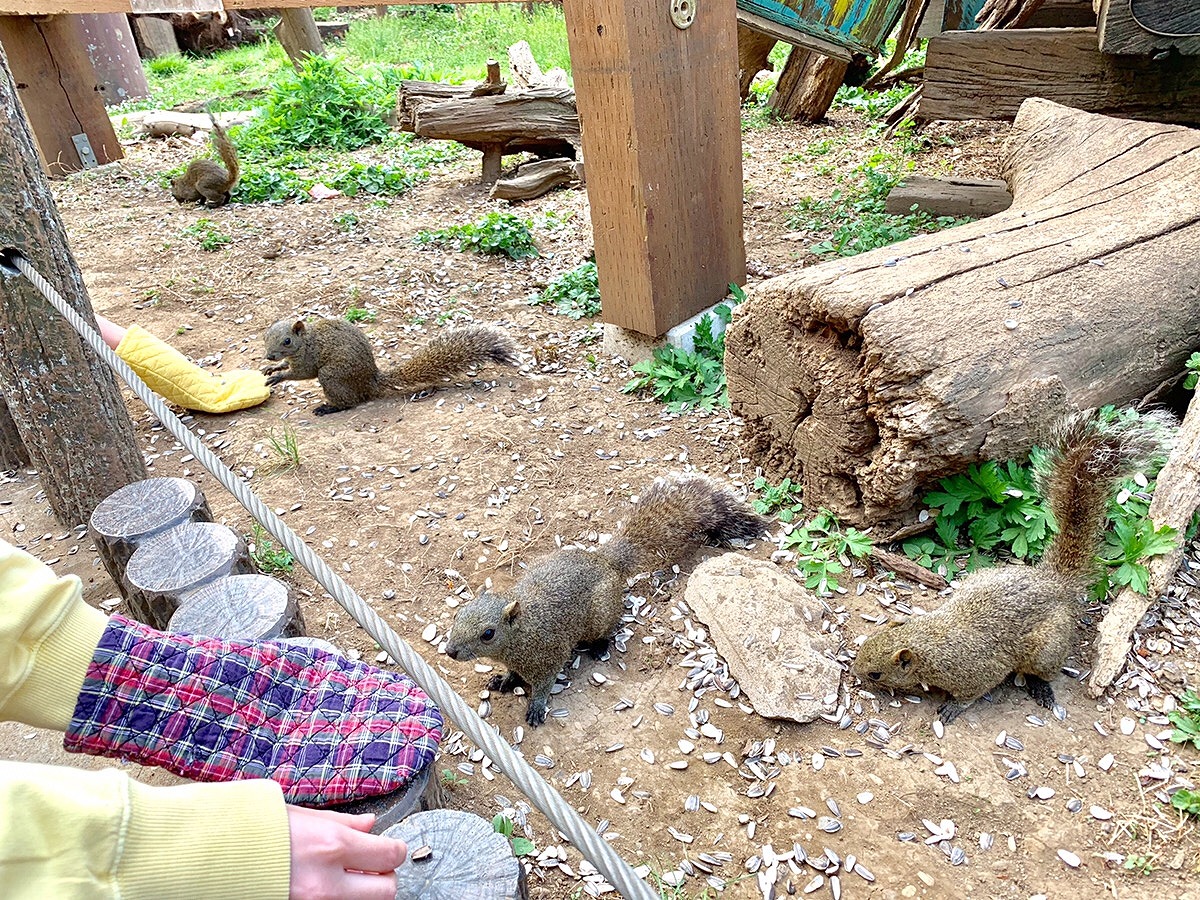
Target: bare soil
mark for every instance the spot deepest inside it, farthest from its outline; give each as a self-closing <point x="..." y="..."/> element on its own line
<point x="420" y="502"/>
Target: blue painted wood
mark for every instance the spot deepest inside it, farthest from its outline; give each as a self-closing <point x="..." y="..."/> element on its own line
<point x="860" y="26"/>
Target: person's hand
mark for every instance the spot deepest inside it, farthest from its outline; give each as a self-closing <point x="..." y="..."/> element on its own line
<point x="334" y="858"/>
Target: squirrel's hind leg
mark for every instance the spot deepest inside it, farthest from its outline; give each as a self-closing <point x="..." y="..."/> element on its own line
<point x="507" y="683"/>
<point x="1040" y="690"/>
<point x="596" y="649"/>
<point x="952" y="709"/>
<point x="324" y="409"/>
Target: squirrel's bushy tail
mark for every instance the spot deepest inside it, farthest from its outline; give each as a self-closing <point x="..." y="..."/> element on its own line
<point x="674" y="516"/>
<point x="1085" y="459"/>
<point x="226" y="150"/>
<point x="454" y="351"/>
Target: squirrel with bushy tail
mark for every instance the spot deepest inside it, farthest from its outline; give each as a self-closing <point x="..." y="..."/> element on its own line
<point x="1021" y="620"/>
<point x="576" y="597"/>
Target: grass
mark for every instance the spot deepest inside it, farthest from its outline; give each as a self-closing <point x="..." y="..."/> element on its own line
<point x="269" y="559"/>
<point x="182" y="79"/>
<point x="284" y="450"/>
<point x="575" y="294"/>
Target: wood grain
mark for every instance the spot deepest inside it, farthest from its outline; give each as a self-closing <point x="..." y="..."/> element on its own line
<point x="1121" y="33"/>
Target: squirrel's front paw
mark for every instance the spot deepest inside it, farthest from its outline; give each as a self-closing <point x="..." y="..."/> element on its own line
<point x="537" y="713"/>
<point x="506" y="683"/>
<point x="325" y="409"/>
<point x="274" y="379"/>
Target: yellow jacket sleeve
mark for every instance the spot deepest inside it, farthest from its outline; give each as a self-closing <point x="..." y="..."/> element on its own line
<point x="98" y="834"/>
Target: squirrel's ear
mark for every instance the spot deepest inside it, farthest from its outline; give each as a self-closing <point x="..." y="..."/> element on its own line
<point x="902" y="658"/>
<point x="510" y="611"/>
<point x="298" y="327"/>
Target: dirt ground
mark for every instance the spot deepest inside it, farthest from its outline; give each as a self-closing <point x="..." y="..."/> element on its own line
<point x="418" y="503"/>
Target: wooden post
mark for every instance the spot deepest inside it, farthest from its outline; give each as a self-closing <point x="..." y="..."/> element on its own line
<point x="59" y="90"/>
<point x="807" y="85"/>
<point x="13" y="454"/>
<point x="63" y="399"/>
<point x="297" y="32"/>
<point x="108" y="39"/>
<point x="662" y="139"/>
<point x="753" y="49"/>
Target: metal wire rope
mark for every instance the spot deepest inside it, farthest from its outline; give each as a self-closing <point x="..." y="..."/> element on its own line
<point x="618" y="872"/>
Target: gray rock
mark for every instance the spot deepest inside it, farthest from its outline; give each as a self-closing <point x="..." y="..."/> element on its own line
<point x="742" y="601"/>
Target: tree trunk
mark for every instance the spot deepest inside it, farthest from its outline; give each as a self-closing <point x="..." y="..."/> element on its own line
<point x="753" y="49"/>
<point x="297" y="32"/>
<point x="873" y="377"/>
<point x="13" y="454"/>
<point x="63" y="399"/>
<point x="807" y="85"/>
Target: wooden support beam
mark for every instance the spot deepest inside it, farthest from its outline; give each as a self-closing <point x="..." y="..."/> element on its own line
<point x="807" y="86"/>
<point x="662" y="140"/>
<point x="986" y="75"/>
<point x="108" y="39"/>
<point x="59" y="91"/>
<point x="55" y="7"/>
<point x="297" y="32"/>
<point x="1149" y="26"/>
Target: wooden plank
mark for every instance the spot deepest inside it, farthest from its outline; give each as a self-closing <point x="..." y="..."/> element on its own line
<point x="1150" y="26"/>
<point x="662" y="141"/>
<point x="1063" y="14"/>
<point x="791" y="36"/>
<point x="54" y="7"/>
<point x="974" y="197"/>
<point x="59" y="90"/>
<point x="986" y="75"/>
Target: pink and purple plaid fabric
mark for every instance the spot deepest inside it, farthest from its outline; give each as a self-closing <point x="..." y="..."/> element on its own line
<point x="328" y="730"/>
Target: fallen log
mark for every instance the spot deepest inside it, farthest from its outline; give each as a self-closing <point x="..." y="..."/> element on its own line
<point x="958" y="197"/>
<point x="870" y="378"/>
<point x="1176" y="498"/>
<point x="536" y="178"/>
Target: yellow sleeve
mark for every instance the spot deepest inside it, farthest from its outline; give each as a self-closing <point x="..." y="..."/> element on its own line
<point x="77" y="835"/>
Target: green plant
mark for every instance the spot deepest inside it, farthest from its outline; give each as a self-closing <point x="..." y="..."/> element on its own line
<point x="823" y="549"/>
<point x="1186" y="801"/>
<point x="285" y="449"/>
<point x="166" y="65"/>
<point x="358" y="314"/>
<point x="452" y="779"/>
<point x="521" y="846"/>
<point x="207" y="235"/>
<point x="261" y="184"/>
<point x="497" y="233"/>
<point x="783" y="499"/>
<point x="1129" y="542"/>
<point x="374" y="179"/>
<point x="575" y="293"/>
<point x="268" y="559"/>
<point x="1186" y="719"/>
<point x="1142" y="865"/>
<point x="1193" y="369"/>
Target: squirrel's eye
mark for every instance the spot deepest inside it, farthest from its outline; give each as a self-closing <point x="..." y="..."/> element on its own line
<point x="874" y="676"/>
<point x="287" y="342"/>
<point x="488" y="634"/>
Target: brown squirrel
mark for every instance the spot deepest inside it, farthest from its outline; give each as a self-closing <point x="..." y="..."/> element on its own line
<point x="207" y="180"/>
<point x="1020" y="619"/>
<point x="577" y="597"/>
<point x="339" y="356"/>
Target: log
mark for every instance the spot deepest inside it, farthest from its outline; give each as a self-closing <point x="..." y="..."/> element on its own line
<point x="987" y="74"/>
<point x="537" y="178"/>
<point x="13" y="454"/>
<point x="424" y="792"/>
<point x="1129" y="26"/>
<point x="974" y="197"/>
<point x="754" y="48"/>
<point x="167" y="568"/>
<point x="1176" y="498"/>
<point x="333" y="31"/>
<point x="868" y="379"/>
<point x="130" y="516"/>
<point x="807" y="85"/>
<point x="526" y="73"/>
<point x="541" y="116"/>
<point x="906" y="568"/>
<point x="439" y="869"/>
<point x="155" y="37"/>
<point x="240" y="608"/>
<point x="169" y="123"/>
<point x="297" y="32"/>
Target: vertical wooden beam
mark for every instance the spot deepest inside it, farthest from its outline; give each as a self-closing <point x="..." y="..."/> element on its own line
<point x="662" y="143"/>
<point x="58" y="89"/>
<point x="297" y="32"/>
<point x="807" y="85"/>
<point x="108" y="39"/>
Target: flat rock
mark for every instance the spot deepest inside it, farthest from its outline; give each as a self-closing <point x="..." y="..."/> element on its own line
<point x="742" y="601"/>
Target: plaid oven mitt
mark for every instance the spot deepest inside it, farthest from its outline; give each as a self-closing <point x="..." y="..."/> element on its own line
<point x="326" y="729"/>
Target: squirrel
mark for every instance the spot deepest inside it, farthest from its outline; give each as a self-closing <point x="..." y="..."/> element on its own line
<point x="207" y="180"/>
<point x="339" y="356"/>
<point x="1021" y="620"/>
<point x="576" y="596"/>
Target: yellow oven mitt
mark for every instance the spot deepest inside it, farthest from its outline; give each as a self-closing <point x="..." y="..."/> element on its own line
<point x="180" y="381"/>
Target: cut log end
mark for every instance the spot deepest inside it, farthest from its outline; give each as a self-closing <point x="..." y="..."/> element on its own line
<point x="240" y="608"/>
<point x="456" y="855"/>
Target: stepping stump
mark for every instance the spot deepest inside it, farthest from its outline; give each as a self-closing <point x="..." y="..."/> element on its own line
<point x="240" y="608"/>
<point x="421" y="794"/>
<point x="313" y="643"/>
<point x="137" y="512"/>
<point x="454" y="855"/>
<point x="166" y="569"/>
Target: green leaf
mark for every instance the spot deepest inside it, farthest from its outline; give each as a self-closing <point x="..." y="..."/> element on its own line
<point x="522" y="846"/>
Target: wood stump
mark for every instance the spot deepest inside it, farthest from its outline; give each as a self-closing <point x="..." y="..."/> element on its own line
<point x="240" y="608"/>
<point x="313" y="643"/>
<point x="167" y="568"/>
<point x="871" y="378"/>
<point x="807" y="85"/>
<point x="423" y="793"/>
<point x="13" y="454"/>
<point x="137" y="512"/>
<point x="466" y="859"/>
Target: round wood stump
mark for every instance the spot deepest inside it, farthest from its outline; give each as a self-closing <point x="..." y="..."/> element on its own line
<point x="240" y="608"/>
<point x="168" y="567"/>
<point x="423" y="793"/>
<point x="456" y="855"/>
<point x="314" y="643"/>
<point x="133" y="514"/>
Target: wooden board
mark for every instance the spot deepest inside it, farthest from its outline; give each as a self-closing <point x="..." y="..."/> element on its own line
<point x="53" y="7"/>
<point x="59" y="90"/>
<point x="987" y="74"/>
<point x="1150" y="26"/>
<point x="974" y="197"/>
<point x="662" y="140"/>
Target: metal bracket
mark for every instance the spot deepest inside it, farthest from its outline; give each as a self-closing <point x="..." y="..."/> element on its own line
<point x="84" y="148"/>
<point x="683" y="13"/>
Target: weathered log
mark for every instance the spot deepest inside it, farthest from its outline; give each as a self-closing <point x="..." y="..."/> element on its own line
<point x="171" y="123"/>
<point x="167" y="568"/>
<point x="1149" y="26"/>
<point x="438" y="867"/>
<point x="986" y="75"/>
<point x="297" y="32"/>
<point x="974" y="197"/>
<point x="870" y="378"/>
<point x="13" y="454"/>
<point x="130" y="516"/>
<point x="537" y="178"/>
<point x="526" y="73"/>
<point x="754" y="48"/>
<point x="240" y="608"/>
<point x="544" y="116"/>
<point x="155" y="37"/>
<point x="807" y="85"/>
<point x="906" y="568"/>
<point x="1176" y="498"/>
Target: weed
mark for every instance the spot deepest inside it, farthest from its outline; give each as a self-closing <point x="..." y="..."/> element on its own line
<point x="260" y="184"/>
<point x="521" y="846"/>
<point x="347" y="221"/>
<point x="453" y="779"/>
<point x="782" y="500"/>
<point x="1187" y="801"/>
<point x="824" y="549"/>
<point x="284" y="449"/>
<point x="1193" y="369"/>
<point x="373" y="179"/>
<point x="497" y="233"/>
<point x="358" y="314"/>
<point x="1142" y="865"/>
<point x="167" y="65"/>
<point x="575" y="293"/>
<point x="268" y="559"/>
<point x="207" y="235"/>
<point x="1186" y="719"/>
